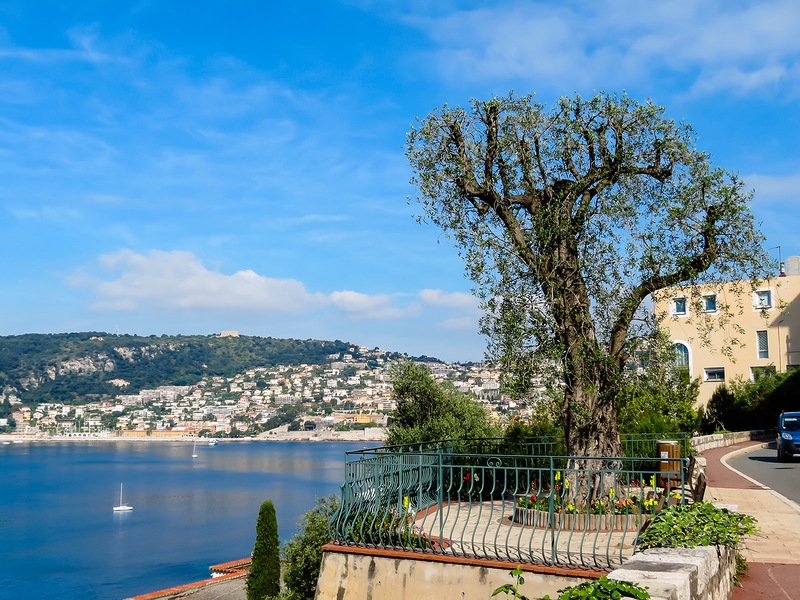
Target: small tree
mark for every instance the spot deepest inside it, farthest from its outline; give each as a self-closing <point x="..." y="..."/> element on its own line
<point x="658" y="396"/>
<point x="304" y="551"/>
<point x="264" y="578"/>
<point x="427" y="411"/>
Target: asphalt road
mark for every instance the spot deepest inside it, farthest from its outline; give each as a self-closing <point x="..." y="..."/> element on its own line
<point x="763" y="466"/>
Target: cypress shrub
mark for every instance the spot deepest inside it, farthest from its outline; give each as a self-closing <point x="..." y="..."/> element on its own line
<point x="264" y="578"/>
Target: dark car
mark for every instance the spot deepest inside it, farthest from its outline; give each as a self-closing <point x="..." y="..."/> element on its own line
<point x="788" y="436"/>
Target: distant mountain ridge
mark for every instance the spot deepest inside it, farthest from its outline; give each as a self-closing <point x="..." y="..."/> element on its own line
<point x="75" y="368"/>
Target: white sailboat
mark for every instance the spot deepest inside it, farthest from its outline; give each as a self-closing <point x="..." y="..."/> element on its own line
<point x="122" y="507"/>
<point x="194" y="449"/>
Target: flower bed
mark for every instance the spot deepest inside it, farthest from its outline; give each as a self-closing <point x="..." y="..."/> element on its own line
<point x="533" y="517"/>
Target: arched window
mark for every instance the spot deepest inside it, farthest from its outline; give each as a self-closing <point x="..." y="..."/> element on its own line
<point x="681" y="356"/>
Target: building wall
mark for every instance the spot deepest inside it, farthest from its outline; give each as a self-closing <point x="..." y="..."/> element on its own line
<point x="780" y="323"/>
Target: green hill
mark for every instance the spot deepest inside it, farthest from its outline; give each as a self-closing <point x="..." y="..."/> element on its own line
<point x="75" y="368"/>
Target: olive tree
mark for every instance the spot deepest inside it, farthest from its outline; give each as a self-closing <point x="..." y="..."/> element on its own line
<point x="568" y="219"/>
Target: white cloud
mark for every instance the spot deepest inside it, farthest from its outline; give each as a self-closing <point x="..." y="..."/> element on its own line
<point x="775" y="190"/>
<point x="740" y="81"/>
<point x="719" y="44"/>
<point x="448" y="300"/>
<point x="178" y="280"/>
<point x="364" y="306"/>
<point x="460" y="324"/>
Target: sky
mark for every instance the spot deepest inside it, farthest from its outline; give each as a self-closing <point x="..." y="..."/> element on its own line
<point x="185" y="168"/>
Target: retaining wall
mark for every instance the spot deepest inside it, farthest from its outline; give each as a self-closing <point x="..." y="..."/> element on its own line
<point x="701" y="443"/>
<point x="377" y="575"/>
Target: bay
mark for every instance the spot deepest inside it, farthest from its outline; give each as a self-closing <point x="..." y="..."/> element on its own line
<point x="59" y="537"/>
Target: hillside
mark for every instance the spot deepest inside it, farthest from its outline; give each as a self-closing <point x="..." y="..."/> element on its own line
<point x="75" y="368"/>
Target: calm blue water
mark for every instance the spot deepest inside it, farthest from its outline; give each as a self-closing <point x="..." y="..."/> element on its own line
<point x="60" y="538"/>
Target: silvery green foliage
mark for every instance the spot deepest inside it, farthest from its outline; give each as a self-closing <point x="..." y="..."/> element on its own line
<point x="568" y="219"/>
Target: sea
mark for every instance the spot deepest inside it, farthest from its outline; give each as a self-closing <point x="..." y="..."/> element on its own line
<point x="60" y="538"/>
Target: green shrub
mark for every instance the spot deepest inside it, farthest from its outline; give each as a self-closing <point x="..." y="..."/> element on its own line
<point x="599" y="588"/>
<point x="428" y="411"/>
<point x="699" y="524"/>
<point x="303" y="553"/>
<point x="746" y="405"/>
<point x="264" y="577"/>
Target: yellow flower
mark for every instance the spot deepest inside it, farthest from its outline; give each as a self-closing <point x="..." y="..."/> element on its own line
<point x="558" y="475"/>
<point x="405" y="501"/>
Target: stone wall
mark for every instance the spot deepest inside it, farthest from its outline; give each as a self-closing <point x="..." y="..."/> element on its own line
<point x="703" y="573"/>
<point x="356" y="576"/>
<point x="702" y="443"/>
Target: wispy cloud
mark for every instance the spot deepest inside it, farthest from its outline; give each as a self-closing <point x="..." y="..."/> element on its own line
<point x="740" y="46"/>
<point x="377" y="307"/>
<point x="84" y="50"/>
<point x="449" y="300"/>
<point x="775" y="190"/>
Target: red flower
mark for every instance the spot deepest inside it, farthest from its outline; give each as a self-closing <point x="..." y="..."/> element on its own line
<point x="466" y="477"/>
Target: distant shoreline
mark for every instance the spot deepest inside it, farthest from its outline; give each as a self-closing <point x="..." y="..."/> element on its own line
<point x="373" y="434"/>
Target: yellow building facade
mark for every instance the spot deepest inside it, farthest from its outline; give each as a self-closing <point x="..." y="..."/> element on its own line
<point x="734" y="331"/>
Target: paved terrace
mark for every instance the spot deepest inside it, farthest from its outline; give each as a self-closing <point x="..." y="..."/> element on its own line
<point x="774" y="554"/>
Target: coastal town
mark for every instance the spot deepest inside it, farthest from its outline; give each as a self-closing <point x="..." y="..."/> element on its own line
<point x="352" y="392"/>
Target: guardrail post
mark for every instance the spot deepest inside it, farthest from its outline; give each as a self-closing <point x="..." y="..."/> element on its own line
<point x="440" y="495"/>
<point x="551" y="517"/>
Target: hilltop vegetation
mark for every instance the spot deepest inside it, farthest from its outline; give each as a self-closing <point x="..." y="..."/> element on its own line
<point x="74" y="368"/>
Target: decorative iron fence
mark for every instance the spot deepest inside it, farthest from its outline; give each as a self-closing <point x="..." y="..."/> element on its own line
<point x="477" y="499"/>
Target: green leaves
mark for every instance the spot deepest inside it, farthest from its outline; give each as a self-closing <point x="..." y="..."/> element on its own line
<point x="698" y="524"/>
<point x="511" y="590"/>
<point x="264" y="576"/>
<point x="429" y="411"/>
<point x="568" y="218"/>
<point x="604" y="587"/>
<point x="304" y="551"/>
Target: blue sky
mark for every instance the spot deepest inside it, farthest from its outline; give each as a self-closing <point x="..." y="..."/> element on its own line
<point x="174" y="167"/>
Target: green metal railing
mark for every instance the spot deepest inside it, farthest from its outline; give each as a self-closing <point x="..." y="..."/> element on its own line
<point x="633" y="445"/>
<point x="482" y="498"/>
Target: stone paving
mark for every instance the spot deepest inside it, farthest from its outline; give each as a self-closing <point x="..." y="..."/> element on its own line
<point x="486" y="529"/>
<point x="774" y="554"/>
